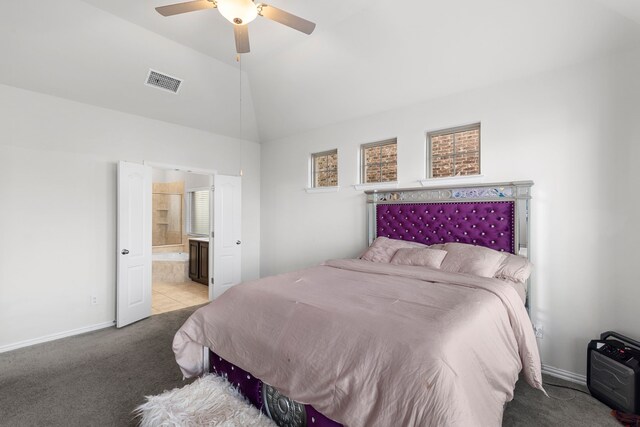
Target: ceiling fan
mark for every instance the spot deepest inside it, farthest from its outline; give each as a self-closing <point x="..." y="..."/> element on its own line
<point x="240" y="13"/>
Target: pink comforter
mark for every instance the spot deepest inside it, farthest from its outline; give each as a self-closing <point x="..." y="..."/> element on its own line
<point x="370" y="344"/>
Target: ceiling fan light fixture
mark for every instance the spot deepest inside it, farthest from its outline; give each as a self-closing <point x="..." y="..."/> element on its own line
<point x="239" y="12"/>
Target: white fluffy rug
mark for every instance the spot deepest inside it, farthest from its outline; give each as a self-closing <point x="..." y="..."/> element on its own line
<point x="208" y="401"/>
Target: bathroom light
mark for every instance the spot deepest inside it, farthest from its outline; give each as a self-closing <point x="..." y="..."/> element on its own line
<point x="239" y="12"/>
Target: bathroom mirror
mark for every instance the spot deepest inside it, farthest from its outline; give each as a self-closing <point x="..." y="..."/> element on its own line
<point x="167" y="219"/>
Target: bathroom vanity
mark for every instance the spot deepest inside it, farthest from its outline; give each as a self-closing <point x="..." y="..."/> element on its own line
<point x="199" y="260"/>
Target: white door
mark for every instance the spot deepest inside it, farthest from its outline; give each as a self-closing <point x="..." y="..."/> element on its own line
<point x="133" y="289"/>
<point x="227" y="238"/>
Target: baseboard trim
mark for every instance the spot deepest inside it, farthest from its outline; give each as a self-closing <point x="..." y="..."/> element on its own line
<point x="56" y="336"/>
<point x="564" y="375"/>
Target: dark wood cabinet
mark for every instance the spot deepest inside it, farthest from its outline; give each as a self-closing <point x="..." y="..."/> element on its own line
<point x="199" y="261"/>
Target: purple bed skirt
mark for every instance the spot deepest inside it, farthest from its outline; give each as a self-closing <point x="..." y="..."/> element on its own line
<point x="254" y="390"/>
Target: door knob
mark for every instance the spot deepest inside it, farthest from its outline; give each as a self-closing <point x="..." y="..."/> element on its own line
<point x="238" y="242"/>
<point x="125" y="251"/>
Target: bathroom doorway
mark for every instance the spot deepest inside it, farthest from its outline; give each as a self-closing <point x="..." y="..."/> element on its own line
<point x="191" y="265"/>
<point x="180" y="239"/>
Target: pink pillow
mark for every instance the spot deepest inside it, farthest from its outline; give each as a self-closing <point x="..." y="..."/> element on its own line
<point x="515" y="268"/>
<point x="469" y="259"/>
<point x="382" y="249"/>
<point x="425" y="257"/>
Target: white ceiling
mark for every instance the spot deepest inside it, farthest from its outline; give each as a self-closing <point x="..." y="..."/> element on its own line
<point x="208" y="32"/>
<point x="363" y="58"/>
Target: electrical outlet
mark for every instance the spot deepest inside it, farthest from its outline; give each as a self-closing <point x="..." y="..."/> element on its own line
<point x="94" y="300"/>
<point x="538" y="329"/>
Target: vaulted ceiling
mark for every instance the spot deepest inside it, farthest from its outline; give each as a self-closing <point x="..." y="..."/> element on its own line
<point x="363" y="58"/>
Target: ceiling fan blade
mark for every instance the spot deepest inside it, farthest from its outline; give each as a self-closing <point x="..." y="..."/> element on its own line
<point x="190" y="6"/>
<point x="287" y="19"/>
<point x="241" y="32"/>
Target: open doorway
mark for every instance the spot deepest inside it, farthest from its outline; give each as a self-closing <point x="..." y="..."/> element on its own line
<point x="219" y="261"/>
<point x="180" y="239"/>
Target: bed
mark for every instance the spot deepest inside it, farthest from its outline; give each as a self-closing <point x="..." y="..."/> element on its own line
<point x="365" y="343"/>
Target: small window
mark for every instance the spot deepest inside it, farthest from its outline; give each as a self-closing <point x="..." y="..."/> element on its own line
<point x="198" y="212"/>
<point x="454" y="152"/>
<point x="324" y="169"/>
<point x="379" y="162"/>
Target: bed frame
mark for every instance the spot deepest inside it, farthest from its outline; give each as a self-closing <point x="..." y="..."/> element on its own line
<point x="492" y="215"/>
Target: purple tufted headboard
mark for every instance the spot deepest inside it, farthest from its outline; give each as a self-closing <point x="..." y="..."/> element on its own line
<point x="490" y="224"/>
<point x="491" y="215"/>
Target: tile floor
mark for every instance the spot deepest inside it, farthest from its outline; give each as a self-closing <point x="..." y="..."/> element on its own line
<point x="175" y="296"/>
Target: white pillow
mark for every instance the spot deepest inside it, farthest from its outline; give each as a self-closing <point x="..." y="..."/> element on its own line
<point x="470" y="259"/>
<point x="515" y="268"/>
<point x="424" y="257"/>
<point x="383" y="249"/>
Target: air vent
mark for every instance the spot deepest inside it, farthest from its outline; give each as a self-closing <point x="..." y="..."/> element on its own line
<point x="163" y="81"/>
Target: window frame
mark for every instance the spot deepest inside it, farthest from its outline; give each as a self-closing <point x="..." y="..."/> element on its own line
<point x="453" y="131"/>
<point x="363" y="163"/>
<point x="312" y="168"/>
<point x="189" y="208"/>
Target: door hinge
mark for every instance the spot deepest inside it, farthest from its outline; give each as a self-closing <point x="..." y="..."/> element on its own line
<point x="212" y="281"/>
<point x="212" y="234"/>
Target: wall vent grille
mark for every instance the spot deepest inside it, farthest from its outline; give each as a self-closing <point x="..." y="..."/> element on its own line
<point x="163" y="81"/>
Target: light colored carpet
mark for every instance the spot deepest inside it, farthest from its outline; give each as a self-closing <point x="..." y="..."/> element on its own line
<point x="208" y="401"/>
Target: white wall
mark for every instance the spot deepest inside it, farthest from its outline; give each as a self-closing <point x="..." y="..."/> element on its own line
<point x="574" y="132"/>
<point x="58" y="204"/>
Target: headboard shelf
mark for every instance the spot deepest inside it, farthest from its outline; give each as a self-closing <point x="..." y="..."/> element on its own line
<point x="516" y="190"/>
